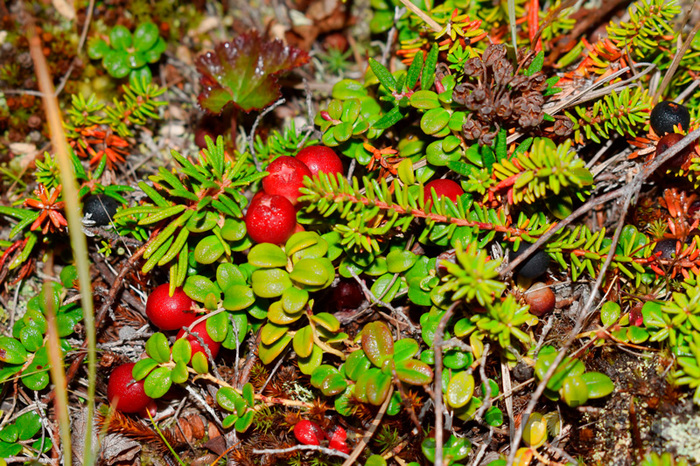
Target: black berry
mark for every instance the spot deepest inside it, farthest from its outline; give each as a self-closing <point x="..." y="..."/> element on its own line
<point x="100" y="208"/>
<point x="666" y="115"/>
<point x="534" y="266"/>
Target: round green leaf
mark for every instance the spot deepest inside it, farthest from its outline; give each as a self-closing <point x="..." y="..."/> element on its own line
<point x="399" y="260"/>
<point x="143" y="367"/>
<point x="327" y="321"/>
<point x="434" y="120"/>
<point x="574" y="391"/>
<point x="424" y="100"/>
<point x="228" y="398"/>
<point x="228" y="274"/>
<point x="270" y="283"/>
<point x="320" y="373"/>
<point x="244" y="421"/>
<point x="158" y="382"/>
<point x="233" y="230"/>
<point x="356" y="364"/>
<point x="270" y="333"/>
<point x="179" y="374"/>
<point x="460" y="390"/>
<point x="375" y="460"/>
<point x="277" y="314"/>
<point x="599" y="385"/>
<point x="199" y="287"/>
<point x="208" y="250"/>
<point x="310" y="272"/>
<point x="136" y="60"/>
<point x="386" y="287"/>
<point x="120" y="37"/>
<point x="28" y="425"/>
<point x="377" y="388"/>
<point x="145" y="36"/>
<point x="405" y="349"/>
<point x="294" y="299"/>
<point x="238" y="297"/>
<point x="267" y="255"/>
<point x="535" y="431"/>
<point x="218" y="326"/>
<point x="31" y="337"/>
<point x="97" y="48"/>
<point x="333" y="384"/>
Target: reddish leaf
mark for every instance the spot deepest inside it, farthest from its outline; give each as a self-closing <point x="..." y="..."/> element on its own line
<point x="244" y="72"/>
<point x="377" y="342"/>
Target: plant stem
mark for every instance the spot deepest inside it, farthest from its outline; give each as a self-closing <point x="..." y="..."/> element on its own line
<point x="77" y="237"/>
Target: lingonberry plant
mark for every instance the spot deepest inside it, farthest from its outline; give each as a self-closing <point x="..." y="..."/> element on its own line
<point x="476" y="244"/>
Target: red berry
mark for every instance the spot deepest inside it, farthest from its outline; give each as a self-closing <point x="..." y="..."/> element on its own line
<point x="285" y="178"/>
<point x="270" y="219"/>
<point x="308" y="433"/>
<point x="201" y="330"/>
<point x="678" y="160"/>
<point x="170" y="312"/>
<point x="447" y="188"/>
<point x="129" y="394"/>
<point x="348" y="295"/>
<point x="321" y="159"/>
<point x="541" y="299"/>
<point x="337" y="433"/>
<point x="339" y="445"/>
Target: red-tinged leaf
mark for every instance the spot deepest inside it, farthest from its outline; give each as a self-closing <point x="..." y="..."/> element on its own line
<point x="244" y="72"/>
<point x="377" y="342"/>
<point x="414" y="372"/>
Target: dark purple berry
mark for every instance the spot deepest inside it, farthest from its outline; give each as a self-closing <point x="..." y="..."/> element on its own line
<point x="534" y="266"/>
<point x="666" y="115"/>
<point x="99" y="208"/>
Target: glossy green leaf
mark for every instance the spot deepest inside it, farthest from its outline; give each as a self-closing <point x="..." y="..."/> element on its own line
<point x="233" y="230"/>
<point x="294" y="299"/>
<point x="268" y="353"/>
<point x="182" y="350"/>
<point x="28" y="425"/>
<point x="12" y="351"/>
<point x="535" y="431"/>
<point x="405" y="349"/>
<point x="399" y="260"/>
<point x="599" y="385"/>
<point x="574" y="391"/>
<point x="309" y="363"/>
<point x="434" y="120"/>
<point x="375" y="460"/>
<point x="120" y="37"/>
<point x="200" y="363"/>
<point x="356" y="364"/>
<point x="238" y="297"/>
<point x="145" y="36"/>
<point x="217" y="326"/>
<point x="327" y="321"/>
<point x="179" y="373"/>
<point x="460" y="390"/>
<point x="610" y="313"/>
<point x="209" y="250"/>
<point x="303" y="341"/>
<point x="116" y="63"/>
<point x="267" y="255"/>
<point x="199" y="287"/>
<point x="158" y="348"/>
<point x="143" y="367"/>
<point x="377" y="388"/>
<point x="277" y="315"/>
<point x="228" y="398"/>
<point x="158" y="382"/>
<point x="270" y="333"/>
<point x="244" y="421"/>
<point x="310" y="272"/>
<point x="270" y="283"/>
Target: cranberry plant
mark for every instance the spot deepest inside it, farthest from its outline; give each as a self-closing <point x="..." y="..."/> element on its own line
<point x="371" y="286"/>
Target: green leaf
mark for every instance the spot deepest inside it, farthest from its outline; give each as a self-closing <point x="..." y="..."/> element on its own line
<point x="389" y="119"/>
<point x="120" y="37"/>
<point x="434" y="120"/>
<point x="158" y="348"/>
<point x="238" y="297"/>
<point x="399" y="260"/>
<point x="12" y="351"/>
<point x="294" y="299"/>
<point x="145" y="36"/>
<point x="28" y="425"/>
<point x="303" y="341"/>
<point x="209" y="250"/>
<point x="182" y="350"/>
<point x="218" y="326"/>
<point x="116" y="63"/>
<point x="574" y="391"/>
<point x="377" y="343"/>
<point x="270" y="283"/>
<point x="228" y="398"/>
<point x="375" y="460"/>
<point x="277" y="314"/>
<point x="179" y="373"/>
<point x="333" y="384"/>
<point x="327" y="321"/>
<point x="405" y="349"/>
<point x="428" y="76"/>
<point x="268" y="353"/>
<point x="143" y="367"/>
<point x="377" y="388"/>
<point x="348" y="89"/>
<point x="383" y="75"/>
<point x="599" y="385"/>
<point x="198" y="288"/>
<point x="424" y="100"/>
<point x="460" y="390"/>
<point x="248" y="394"/>
<point x="97" y="48"/>
<point x="310" y="272"/>
<point x="158" y="382"/>
<point x="244" y="421"/>
<point x="536" y="64"/>
<point x="356" y="364"/>
<point x="267" y="255"/>
<point x="414" y="372"/>
<point x="609" y="313"/>
<point x="200" y="363"/>
<point x="309" y="363"/>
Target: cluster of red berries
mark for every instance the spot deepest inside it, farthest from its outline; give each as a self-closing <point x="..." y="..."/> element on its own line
<point x="167" y="313"/>
<point x="310" y="433"/>
<point x="271" y="216"/>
